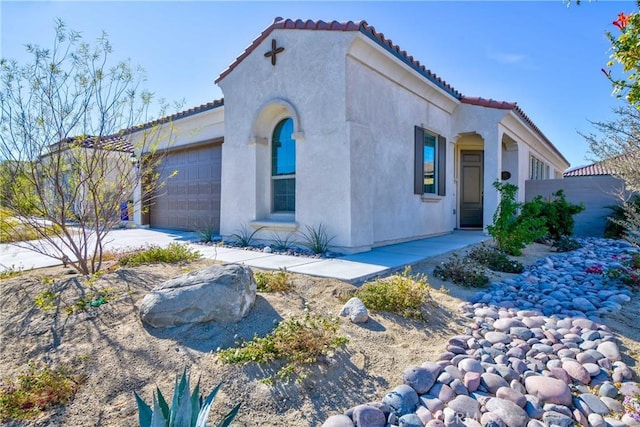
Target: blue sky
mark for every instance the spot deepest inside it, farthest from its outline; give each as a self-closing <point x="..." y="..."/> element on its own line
<point x="544" y="55"/>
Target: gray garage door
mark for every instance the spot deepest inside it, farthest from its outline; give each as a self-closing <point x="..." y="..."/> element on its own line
<point x="190" y="200"/>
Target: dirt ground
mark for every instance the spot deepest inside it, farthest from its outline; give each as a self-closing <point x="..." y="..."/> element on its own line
<point x="118" y="354"/>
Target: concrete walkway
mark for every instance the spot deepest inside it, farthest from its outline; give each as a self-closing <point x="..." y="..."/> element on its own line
<point x="352" y="268"/>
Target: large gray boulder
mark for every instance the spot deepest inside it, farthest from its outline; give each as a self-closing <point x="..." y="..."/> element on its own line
<point x="218" y="293"/>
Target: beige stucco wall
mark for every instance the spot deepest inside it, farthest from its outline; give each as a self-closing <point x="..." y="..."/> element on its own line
<point x="308" y="84"/>
<point x="385" y="101"/>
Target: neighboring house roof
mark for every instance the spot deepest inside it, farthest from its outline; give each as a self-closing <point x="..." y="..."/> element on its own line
<point x="502" y="105"/>
<point x="114" y="142"/>
<point x="179" y="115"/>
<point x="589" y="170"/>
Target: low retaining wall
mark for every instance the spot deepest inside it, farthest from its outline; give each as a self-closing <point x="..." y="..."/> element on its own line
<point x="596" y="192"/>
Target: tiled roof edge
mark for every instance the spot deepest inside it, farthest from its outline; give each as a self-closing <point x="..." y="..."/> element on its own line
<point x="503" y="105"/>
<point x="179" y="115"/>
<point x="594" y="169"/>
<point x="115" y="142"/>
<point x="361" y="26"/>
<point x="289" y="24"/>
<point x="402" y="55"/>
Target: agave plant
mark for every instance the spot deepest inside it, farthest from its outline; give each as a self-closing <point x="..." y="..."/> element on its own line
<point x="187" y="410"/>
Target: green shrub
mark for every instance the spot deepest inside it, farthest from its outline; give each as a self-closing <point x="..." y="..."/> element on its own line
<point x="296" y="341"/>
<point x="622" y="216"/>
<point x="495" y="259"/>
<point x="557" y="213"/>
<point x="513" y="232"/>
<point x="316" y="239"/>
<point x="403" y="294"/>
<point x="187" y="409"/>
<point x="11" y="271"/>
<point x="154" y="254"/>
<point x="462" y="271"/>
<point x="566" y="244"/>
<point x="273" y="281"/>
<point x="37" y="390"/>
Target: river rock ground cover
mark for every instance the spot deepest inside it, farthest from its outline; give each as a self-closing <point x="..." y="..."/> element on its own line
<point x="118" y="355"/>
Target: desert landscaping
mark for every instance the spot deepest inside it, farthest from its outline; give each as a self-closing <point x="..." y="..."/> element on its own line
<point x="112" y="353"/>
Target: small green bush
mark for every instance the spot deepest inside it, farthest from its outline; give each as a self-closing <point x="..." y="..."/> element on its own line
<point x="11" y="271"/>
<point x="273" y="281"/>
<point x="513" y="232"/>
<point x="496" y="260"/>
<point x="622" y="215"/>
<point x="403" y="294"/>
<point x="566" y="244"/>
<point x="296" y="341"/>
<point x="557" y="212"/>
<point x="154" y="254"/>
<point x="35" y="391"/>
<point x="462" y="271"/>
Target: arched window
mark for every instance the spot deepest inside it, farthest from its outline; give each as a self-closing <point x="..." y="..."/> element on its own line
<point x="283" y="167"/>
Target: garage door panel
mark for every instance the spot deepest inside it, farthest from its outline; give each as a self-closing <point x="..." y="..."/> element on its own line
<point x="191" y="199"/>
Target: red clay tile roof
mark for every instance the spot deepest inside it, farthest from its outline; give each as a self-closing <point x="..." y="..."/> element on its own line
<point x="361" y="26"/>
<point x="389" y="46"/>
<point x="503" y="105"/>
<point x="589" y="170"/>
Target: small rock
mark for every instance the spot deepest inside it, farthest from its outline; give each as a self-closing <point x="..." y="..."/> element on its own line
<point x="408" y="420"/>
<point x="402" y="400"/>
<point x="508" y="393"/>
<point x="557" y="419"/>
<point x="596" y="420"/>
<point x="492" y="382"/>
<point x="355" y="310"/>
<point x="576" y="371"/>
<point x="419" y="378"/>
<point x="509" y="412"/>
<point x="610" y="350"/>
<point x="549" y="390"/>
<point x="609" y="390"/>
<point x="466" y="406"/>
<point x="338" y="421"/>
<point x="365" y="416"/>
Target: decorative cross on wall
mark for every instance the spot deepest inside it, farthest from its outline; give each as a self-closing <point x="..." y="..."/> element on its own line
<point x="273" y="52"/>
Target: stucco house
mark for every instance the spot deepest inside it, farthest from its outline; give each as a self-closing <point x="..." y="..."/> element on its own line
<point x="331" y="123"/>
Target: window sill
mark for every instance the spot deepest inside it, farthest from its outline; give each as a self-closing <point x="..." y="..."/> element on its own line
<point x="275" y="224"/>
<point x="431" y="198"/>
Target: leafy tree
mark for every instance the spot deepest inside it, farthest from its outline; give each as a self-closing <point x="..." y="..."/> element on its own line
<point x="64" y="148"/>
<point x="619" y="146"/>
